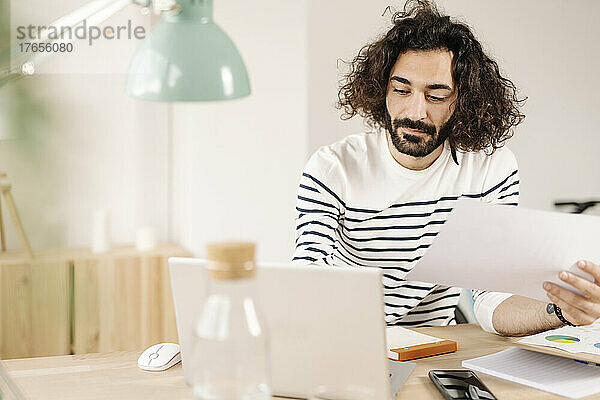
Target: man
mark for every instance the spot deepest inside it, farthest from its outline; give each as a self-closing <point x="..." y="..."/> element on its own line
<point x="441" y="112"/>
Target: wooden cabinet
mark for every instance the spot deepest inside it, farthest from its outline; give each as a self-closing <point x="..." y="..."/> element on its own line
<point x="34" y="305"/>
<point x="72" y="301"/>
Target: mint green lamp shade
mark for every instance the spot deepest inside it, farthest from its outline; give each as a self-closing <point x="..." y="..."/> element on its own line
<point x="187" y="57"/>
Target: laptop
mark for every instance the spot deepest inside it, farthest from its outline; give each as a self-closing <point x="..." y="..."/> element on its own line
<point x="326" y="325"/>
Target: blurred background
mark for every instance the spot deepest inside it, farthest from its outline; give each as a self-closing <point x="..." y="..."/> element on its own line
<point x="74" y="145"/>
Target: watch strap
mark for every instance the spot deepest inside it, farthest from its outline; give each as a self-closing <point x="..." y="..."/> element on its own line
<point x="553" y="308"/>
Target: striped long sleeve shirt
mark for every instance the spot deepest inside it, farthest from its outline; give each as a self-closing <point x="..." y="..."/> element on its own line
<point x="358" y="207"/>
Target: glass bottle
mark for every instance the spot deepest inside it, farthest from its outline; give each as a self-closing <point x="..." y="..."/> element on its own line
<point x="230" y="359"/>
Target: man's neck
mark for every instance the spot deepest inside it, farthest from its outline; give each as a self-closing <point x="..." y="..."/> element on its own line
<point x="410" y="162"/>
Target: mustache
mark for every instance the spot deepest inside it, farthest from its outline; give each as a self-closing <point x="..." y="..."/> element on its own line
<point x="410" y="124"/>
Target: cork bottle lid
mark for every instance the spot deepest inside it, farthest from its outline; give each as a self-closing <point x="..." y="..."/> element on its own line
<point x="230" y="260"/>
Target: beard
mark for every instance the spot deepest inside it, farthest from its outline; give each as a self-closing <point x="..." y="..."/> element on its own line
<point x="417" y="145"/>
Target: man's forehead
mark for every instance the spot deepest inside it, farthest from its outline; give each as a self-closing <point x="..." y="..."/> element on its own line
<point x="433" y="67"/>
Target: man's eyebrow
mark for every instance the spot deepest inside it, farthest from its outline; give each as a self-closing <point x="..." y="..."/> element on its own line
<point x="433" y="86"/>
<point x="439" y="86"/>
<point x="399" y="79"/>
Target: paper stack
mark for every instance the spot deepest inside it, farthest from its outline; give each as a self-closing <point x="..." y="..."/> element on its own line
<point x="554" y="374"/>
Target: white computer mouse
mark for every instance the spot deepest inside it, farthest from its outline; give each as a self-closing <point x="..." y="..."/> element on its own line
<point x="160" y="357"/>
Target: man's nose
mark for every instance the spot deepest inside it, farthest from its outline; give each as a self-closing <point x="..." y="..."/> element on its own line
<point x="417" y="108"/>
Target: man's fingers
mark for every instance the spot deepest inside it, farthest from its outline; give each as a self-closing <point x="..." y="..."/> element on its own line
<point x="590" y="289"/>
<point x="573" y="314"/>
<point x="575" y="300"/>
<point x="590" y="268"/>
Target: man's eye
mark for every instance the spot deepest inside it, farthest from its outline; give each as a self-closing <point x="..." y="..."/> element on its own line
<point x="435" y="98"/>
<point x="401" y="91"/>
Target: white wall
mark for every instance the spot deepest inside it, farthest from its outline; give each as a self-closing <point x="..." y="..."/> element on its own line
<point x="337" y="29"/>
<point x="237" y="164"/>
<point x="97" y="148"/>
<point x="548" y="48"/>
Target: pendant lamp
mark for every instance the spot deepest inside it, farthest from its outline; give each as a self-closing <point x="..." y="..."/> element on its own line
<point x="187" y="57"/>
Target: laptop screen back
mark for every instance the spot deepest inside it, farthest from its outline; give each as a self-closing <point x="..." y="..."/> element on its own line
<point x="325" y="324"/>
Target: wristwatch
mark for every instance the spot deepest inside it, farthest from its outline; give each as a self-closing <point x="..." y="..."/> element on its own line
<point x="552" y="308"/>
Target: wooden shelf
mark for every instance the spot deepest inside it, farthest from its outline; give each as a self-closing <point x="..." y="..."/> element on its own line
<point x="69" y="301"/>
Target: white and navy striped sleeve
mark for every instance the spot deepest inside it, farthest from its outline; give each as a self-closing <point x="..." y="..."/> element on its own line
<point x="503" y="188"/>
<point x="502" y="182"/>
<point x="318" y="209"/>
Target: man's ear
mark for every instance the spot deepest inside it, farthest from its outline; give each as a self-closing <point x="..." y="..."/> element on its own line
<point x="452" y="105"/>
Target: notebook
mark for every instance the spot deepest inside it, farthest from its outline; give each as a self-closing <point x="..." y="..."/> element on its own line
<point x="580" y="342"/>
<point x="562" y="376"/>
<point x="404" y="344"/>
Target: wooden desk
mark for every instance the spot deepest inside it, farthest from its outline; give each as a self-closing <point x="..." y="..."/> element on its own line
<point x="116" y="376"/>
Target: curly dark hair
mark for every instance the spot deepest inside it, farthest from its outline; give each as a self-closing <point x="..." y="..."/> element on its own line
<point x="487" y="106"/>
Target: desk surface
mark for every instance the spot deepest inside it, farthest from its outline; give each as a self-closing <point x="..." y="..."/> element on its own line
<point x="116" y="376"/>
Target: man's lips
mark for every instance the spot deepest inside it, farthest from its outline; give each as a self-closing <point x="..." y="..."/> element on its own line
<point x="413" y="131"/>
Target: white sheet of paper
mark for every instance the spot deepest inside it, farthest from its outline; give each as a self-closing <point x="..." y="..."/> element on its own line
<point x="553" y="374"/>
<point x="508" y="249"/>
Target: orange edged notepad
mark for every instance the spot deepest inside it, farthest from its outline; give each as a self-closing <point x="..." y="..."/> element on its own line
<point x="405" y="344"/>
<point x="423" y="350"/>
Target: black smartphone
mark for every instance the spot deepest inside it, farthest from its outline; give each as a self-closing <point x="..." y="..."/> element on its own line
<point x="455" y="384"/>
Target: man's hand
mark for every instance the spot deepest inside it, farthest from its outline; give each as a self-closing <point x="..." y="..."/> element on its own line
<point x="579" y="310"/>
<point x="520" y="316"/>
